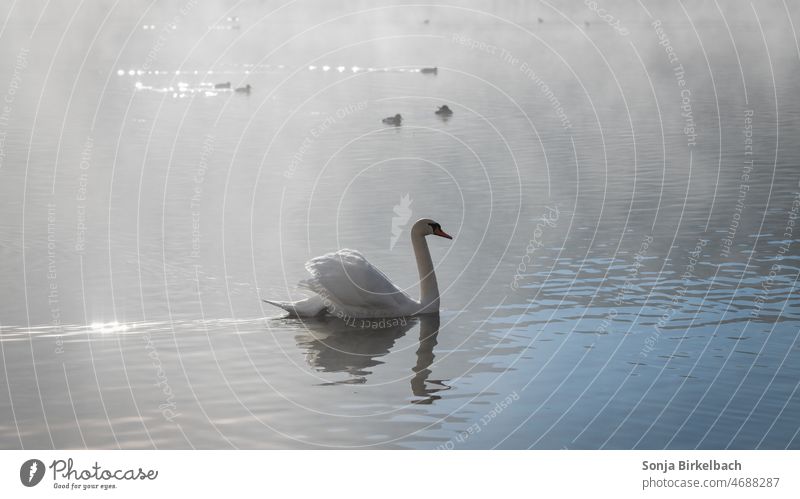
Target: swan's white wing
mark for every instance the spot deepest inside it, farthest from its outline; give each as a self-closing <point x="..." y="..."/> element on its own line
<point x="351" y="287"/>
<point x="309" y="307"/>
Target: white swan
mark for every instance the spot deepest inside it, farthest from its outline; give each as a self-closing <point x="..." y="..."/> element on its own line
<point x="347" y="286"/>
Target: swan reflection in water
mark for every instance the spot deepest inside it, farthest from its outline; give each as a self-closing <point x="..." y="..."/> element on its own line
<point x="336" y="346"/>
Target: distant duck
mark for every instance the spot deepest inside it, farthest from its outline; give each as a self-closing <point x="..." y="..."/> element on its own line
<point x="444" y="111"/>
<point x="395" y="120"/>
<point x="433" y="70"/>
<point x="227" y="84"/>
<point x="586" y="23"/>
<point x="541" y="20"/>
<point x="426" y="21"/>
<point x="244" y="90"/>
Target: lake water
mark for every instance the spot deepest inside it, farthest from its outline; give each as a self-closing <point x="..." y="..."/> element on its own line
<point x="623" y="199"/>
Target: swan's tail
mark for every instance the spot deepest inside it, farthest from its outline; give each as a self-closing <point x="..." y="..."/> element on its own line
<point x="310" y="307"/>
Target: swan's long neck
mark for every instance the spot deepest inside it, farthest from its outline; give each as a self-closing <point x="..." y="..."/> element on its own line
<point x="429" y="288"/>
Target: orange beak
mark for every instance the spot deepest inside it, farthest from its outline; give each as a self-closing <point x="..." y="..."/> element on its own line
<point x="441" y="233"/>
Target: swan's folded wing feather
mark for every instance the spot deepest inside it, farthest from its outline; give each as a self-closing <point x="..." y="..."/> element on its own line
<point x="308" y="307"/>
<point x="349" y="281"/>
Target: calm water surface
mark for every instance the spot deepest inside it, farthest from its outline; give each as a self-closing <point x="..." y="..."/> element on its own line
<point x="614" y="282"/>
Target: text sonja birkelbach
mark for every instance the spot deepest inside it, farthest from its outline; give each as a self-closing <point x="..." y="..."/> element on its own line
<point x="67" y="474"/>
<point x="691" y="465"/>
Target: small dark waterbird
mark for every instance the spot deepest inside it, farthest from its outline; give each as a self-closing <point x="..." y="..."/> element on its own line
<point x="444" y="111"/>
<point x="395" y="120"/>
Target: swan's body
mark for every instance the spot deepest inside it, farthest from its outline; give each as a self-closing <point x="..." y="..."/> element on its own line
<point x="347" y="286"/>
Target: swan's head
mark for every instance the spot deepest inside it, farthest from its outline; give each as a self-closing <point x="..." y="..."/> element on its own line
<point x="428" y="227"/>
